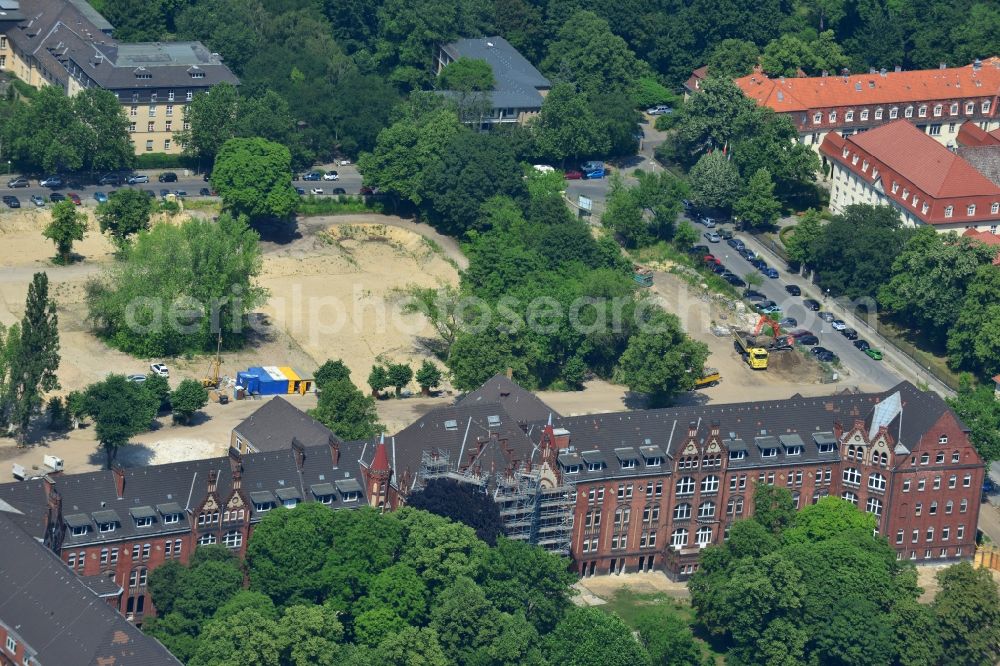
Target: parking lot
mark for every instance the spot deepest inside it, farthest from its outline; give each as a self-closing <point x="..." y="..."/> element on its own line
<point x="187" y="184"/>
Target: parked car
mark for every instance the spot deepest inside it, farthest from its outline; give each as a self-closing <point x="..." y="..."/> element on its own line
<point x="19" y="181"/>
<point x="55" y="197"/>
<point x="736" y="281"/>
<point x="300" y="190"/>
<point x="826" y="316"/>
<point x="52" y="182"/>
<point x="711" y="259"/>
<point x="719" y="269"/>
<point x="159" y="369"/>
<point x="180" y="193"/>
<point x="747" y="254"/>
<point x="205" y="192"/>
<point x="811" y="303"/>
<point x="136" y="378"/>
<point x="339" y="190"/>
<point x="839" y="324"/>
<point x="862" y="345"/>
<point x="708" y="222"/>
<point x="849" y="333"/>
<point x="544" y="168"/>
<point x="807" y="340"/>
<point x="38" y="200"/>
<point x="100" y="197"/>
<point x="712" y="237"/>
<point x="12" y="201"/>
<point x="828" y="357"/>
<point x="343" y="162"/>
<point x="110" y="179"/>
<point x="793" y="289"/>
<point x="75" y="198"/>
<point x="875" y="354"/>
<point x="768" y="309"/>
<point x="137" y="179"/>
<point x="573" y="174"/>
<point x="164" y="193"/>
<point x="735" y="243"/>
<point x="753" y="295"/>
<point x="727" y="234"/>
<point x="770" y="272"/>
<point x="659" y="110"/>
<point x="788" y="322"/>
<point x="167" y="177"/>
<point x="331" y="175"/>
<point x="699" y="249"/>
<point x="316" y="190"/>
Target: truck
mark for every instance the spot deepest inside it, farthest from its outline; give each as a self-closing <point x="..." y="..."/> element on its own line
<point x="709" y="377"/>
<point x="642" y="276"/>
<point x="754" y="353"/>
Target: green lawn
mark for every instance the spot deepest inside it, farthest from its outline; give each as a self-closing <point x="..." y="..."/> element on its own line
<point x="627" y="605"/>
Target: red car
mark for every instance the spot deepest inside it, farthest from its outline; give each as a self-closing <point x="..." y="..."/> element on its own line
<point x="573" y="175"/>
<point x="711" y="259"/>
<point x="75" y="198"/>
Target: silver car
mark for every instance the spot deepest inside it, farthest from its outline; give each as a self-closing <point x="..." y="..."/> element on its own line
<point x="712" y="237"/>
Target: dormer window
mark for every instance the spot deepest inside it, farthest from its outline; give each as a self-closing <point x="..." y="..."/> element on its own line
<point x="572" y="469"/>
<point x="986" y="106"/>
<point x="895" y="187"/>
<point x="768" y="453"/>
<point x="948" y="211"/>
<point x="953" y="109"/>
<point x="854" y="159"/>
<point x="995" y="208"/>
<point x="864" y="165"/>
<point x="655" y="461"/>
<point x="290" y="503"/>
<point x="909" y="112"/>
<point x="827" y="448"/>
<point x="943" y="439"/>
<point x="938" y="110"/>
<point x="833" y="116"/>
<point x="143" y="522"/>
<point x="793" y="451"/>
<point x="864" y="114"/>
<point x="922" y="111"/>
<point x="106" y="527"/>
<point x="262" y="507"/>
<point x="878" y="114"/>
<point x="171" y="518"/>
<point x="971" y="210"/>
<point x="924" y="208"/>
<point x="817" y="118"/>
<point x="847" y="151"/>
<point x="737" y="455"/>
<point x="350" y="496"/>
<point x="594" y="466"/>
<point x="970" y="107"/>
<point x="906" y="194"/>
<point x="849" y="116"/>
<point x="81" y="530"/>
<point x="628" y="464"/>
<point x="874" y="173"/>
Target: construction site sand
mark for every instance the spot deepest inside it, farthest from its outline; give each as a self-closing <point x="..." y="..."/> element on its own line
<point x="369" y="262"/>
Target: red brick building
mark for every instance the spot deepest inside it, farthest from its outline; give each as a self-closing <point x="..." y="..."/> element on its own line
<point x="113" y="527"/>
<point x="938" y="101"/>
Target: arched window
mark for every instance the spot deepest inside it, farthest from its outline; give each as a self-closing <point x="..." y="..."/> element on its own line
<point x="734" y="507"/>
<point x="704" y="536"/>
<point x="679" y="538"/>
<point x="706" y="510"/>
<point x="710" y="484"/>
<point x="874" y="505"/>
<point x="876" y="481"/>
<point x="685" y="485"/>
<point x="852" y="475"/>
<point x="850" y="497"/>
<point x="682" y="511"/>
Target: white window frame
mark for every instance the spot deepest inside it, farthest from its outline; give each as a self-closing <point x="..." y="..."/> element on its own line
<point x="233" y="539"/>
<point x="949" y="211"/>
<point x="682" y="511"/>
<point x="970" y="210"/>
<point x="679" y="538"/>
<point x="706" y="509"/>
<point x="908" y="112"/>
<point x="685" y="485"/>
<point x="878" y="114"/>
<point x="864" y="115"/>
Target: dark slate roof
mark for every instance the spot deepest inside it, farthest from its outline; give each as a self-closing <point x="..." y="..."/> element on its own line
<point x="470" y="433"/>
<point x="69" y="38"/>
<point x="182" y="485"/>
<point x="103" y="584"/>
<point x="748" y="426"/>
<point x="517" y="80"/>
<point x="273" y="426"/>
<point x="52" y="611"/>
<point x="986" y="160"/>
<point x="521" y="404"/>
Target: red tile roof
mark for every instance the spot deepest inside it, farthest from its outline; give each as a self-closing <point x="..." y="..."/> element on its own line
<point x="923" y="161"/>
<point x="971" y="134"/>
<point x="900" y="153"/>
<point x="987" y="238"/>
<point x="801" y="94"/>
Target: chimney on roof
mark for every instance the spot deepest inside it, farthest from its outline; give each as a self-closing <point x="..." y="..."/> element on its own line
<point x="237" y="479"/>
<point x="509" y="372"/>
<point x="235" y="460"/>
<point x="692" y="429"/>
<point x="897" y="69"/>
<point x="213" y="477"/>
<point x="882" y="71"/>
<point x="119" y="473"/>
<point x="299" y="451"/>
<point x="977" y="65"/>
<point x="871" y="70"/>
<point x="825" y="74"/>
<point x="335" y="450"/>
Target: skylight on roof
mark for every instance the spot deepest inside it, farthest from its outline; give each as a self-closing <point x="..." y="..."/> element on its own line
<point x="451" y="424"/>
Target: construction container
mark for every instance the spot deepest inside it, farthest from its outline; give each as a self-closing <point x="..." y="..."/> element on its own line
<point x="298" y="381"/>
<point x="272" y="382"/>
<point x="249" y="381"/>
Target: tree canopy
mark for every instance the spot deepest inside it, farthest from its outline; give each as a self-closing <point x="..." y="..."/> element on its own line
<point x="254" y="178"/>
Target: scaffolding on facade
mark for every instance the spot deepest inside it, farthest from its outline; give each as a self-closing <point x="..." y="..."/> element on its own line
<point x="531" y="511"/>
<point x="535" y="512"/>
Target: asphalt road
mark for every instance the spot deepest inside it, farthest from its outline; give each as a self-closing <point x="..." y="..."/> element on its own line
<point x="350" y="182"/>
